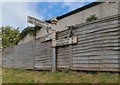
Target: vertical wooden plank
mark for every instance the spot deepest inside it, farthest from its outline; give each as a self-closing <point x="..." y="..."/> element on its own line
<point x="34" y="54"/>
<point x="14" y="58"/>
<point x="70" y="56"/>
<point x="63" y="58"/>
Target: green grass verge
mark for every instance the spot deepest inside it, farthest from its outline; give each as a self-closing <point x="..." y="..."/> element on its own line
<point x="29" y="76"/>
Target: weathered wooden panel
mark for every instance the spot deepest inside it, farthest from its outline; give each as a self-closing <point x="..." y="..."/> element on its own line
<point x="97" y="47"/>
<point x="97" y="27"/>
<point x="113" y="32"/>
<point x="0" y="58"/>
<point x="95" y="61"/>
<point x="43" y="55"/>
<point x="18" y="57"/>
<point x="62" y="56"/>
<point x="24" y="57"/>
<point x="63" y="51"/>
<point x="96" y="57"/>
<point x="8" y="57"/>
<point x="62" y="34"/>
<point x="28" y="60"/>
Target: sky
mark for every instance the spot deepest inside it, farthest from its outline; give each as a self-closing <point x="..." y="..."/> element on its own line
<point x="14" y="13"/>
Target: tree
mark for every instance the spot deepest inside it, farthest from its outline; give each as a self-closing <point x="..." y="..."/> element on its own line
<point x="27" y="30"/>
<point x="35" y="30"/>
<point x="10" y="36"/>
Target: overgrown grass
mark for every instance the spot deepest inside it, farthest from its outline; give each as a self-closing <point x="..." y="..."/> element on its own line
<point x="29" y="76"/>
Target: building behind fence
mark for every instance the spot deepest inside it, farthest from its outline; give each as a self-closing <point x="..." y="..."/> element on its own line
<point x="97" y="49"/>
<point x="78" y="16"/>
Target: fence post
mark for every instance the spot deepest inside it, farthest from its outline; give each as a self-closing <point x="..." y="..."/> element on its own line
<point x="54" y="60"/>
<point x="70" y="56"/>
<point x="54" y="22"/>
<point x="54" y="51"/>
<point x="34" y="45"/>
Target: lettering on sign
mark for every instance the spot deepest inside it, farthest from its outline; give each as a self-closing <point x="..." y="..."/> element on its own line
<point x="50" y="36"/>
<point x="65" y="41"/>
<point x="46" y="37"/>
<point x="38" y="22"/>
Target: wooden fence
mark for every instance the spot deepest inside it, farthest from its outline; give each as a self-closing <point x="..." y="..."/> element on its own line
<point x="43" y="55"/>
<point x="97" y="49"/>
<point x="18" y="57"/>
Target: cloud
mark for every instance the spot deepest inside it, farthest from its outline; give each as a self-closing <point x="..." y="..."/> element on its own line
<point x="21" y="0"/>
<point x="15" y="14"/>
<point x="48" y="0"/>
<point x="72" y="5"/>
<point x="0" y="14"/>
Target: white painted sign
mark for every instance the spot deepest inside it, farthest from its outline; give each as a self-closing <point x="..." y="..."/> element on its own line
<point x="65" y="41"/>
<point x="38" y="22"/>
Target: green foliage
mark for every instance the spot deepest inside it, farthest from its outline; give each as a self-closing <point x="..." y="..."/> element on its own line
<point x="91" y="18"/>
<point x="29" y="30"/>
<point x="35" y="30"/>
<point x="9" y="36"/>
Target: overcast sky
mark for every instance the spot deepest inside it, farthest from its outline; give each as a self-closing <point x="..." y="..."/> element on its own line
<point x="14" y="13"/>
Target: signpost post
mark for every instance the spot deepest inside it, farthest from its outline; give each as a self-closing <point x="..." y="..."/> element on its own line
<point x="54" y="22"/>
<point x="44" y="24"/>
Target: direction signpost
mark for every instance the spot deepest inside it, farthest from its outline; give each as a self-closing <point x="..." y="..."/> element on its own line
<point x="46" y="37"/>
<point x="44" y="24"/>
<point x="38" y="22"/>
<point x="52" y="36"/>
<point x="66" y="41"/>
